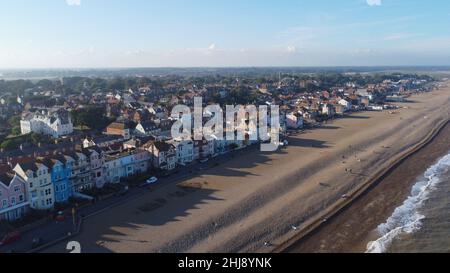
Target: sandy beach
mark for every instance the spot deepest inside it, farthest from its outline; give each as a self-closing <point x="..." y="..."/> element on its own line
<point x="352" y="229"/>
<point x="259" y="197"/>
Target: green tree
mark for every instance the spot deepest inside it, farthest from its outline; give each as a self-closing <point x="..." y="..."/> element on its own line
<point x="93" y="117"/>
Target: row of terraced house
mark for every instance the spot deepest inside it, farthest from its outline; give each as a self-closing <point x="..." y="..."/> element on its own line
<point x="38" y="183"/>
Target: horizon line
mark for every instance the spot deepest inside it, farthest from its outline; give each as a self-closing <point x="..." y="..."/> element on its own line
<point x="219" y="67"/>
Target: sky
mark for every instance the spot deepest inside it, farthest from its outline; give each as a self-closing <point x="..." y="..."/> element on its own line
<point x="223" y="33"/>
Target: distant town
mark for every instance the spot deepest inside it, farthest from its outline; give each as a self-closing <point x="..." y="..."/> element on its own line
<point x="71" y="141"/>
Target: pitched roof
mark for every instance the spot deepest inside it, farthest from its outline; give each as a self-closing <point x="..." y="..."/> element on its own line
<point x="160" y="145"/>
<point x="29" y="166"/>
<point x="118" y="125"/>
<point x="148" y="125"/>
<point x="6" y="175"/>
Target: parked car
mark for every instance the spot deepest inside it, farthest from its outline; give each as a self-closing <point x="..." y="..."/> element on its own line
<point x="37" y="242"/>
<point x="10" y="238"/>
<point x="152" y="180"/>
<point x="60" y="217"/>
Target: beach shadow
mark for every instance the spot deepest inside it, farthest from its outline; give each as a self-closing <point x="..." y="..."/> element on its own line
<point x="356" y="117"/>
<point x="326" y="127"/>
<point x="410" y="101"/>
<point x="308" y="143"/>
<point x="158" y="210"/>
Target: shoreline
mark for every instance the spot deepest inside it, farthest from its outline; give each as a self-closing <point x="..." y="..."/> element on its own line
<point x="308" y="240"/>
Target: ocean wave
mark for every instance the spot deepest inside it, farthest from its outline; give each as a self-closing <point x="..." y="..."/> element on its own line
<point x="407" y="219"/>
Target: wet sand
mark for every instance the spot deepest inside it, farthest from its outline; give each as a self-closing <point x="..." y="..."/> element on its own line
<point x="258" y="197"/>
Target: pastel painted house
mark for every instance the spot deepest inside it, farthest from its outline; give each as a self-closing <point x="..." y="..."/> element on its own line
<point x="112" y="169"/>
<point x="37" y="176"/>
<point x="80" y="177"/>
<point x="13" y="197"/>
<point x="60" y="174"/>
<point x="96" y="160"/>
<point x="184" y="149"/>
<point x="125" y="163"/>
<point x="294" y="121"/>
<point x="163" y="155"/>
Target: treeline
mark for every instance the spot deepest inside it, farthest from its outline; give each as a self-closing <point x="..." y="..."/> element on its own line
<point x="90" y="117"/>
<point x="24" y="140"/>
<point x="77" y="85"/>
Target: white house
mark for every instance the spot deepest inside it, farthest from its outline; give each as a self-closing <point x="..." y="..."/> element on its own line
<point x="328" y="109"/>
<point x="203" y="149"/>
<point x="55" y="123"/>
<point x="185" y="150"/>
<point x="347" y="104"/>
<point x="39" y="185"/>
<point x="294" y="120"/>
<point x="163" y="155"/>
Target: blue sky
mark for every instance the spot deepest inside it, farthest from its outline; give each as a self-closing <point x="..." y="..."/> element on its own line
<point x="153" y="33"/>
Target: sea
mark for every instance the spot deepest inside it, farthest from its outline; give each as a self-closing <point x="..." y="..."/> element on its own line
<point x="422" y="223"/>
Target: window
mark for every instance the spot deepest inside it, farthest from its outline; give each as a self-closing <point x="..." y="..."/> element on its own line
<point x="0" y="193"/>
<point x="5" y="203"/>
<point x="13" y="201"/>
<point x="16" y="189"/>
<point x="21" y="198"/>
<point x="31" y="184"/>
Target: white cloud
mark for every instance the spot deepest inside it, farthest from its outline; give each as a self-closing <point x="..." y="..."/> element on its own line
<point x="73" y="2"/>
<point x="212" y="47"/>
<point x="374" y="2"/>
<point x="291" y="49"/>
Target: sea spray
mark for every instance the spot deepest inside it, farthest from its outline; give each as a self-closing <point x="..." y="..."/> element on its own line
<point x="407" y="218"/>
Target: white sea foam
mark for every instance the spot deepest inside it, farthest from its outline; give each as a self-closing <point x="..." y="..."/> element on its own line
<point x="407" y="218"/>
